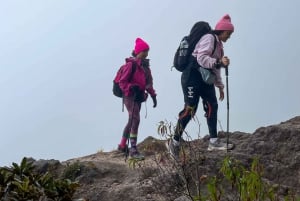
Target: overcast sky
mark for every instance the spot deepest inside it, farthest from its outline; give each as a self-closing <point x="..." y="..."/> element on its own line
<point x="58" y="59"/>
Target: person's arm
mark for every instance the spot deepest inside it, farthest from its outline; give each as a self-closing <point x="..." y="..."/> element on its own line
<point x="149" y="87"/>
<point x="203" y="51"/>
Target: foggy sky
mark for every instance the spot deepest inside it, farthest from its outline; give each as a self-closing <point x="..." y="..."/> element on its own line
<point x="58" y="59"/>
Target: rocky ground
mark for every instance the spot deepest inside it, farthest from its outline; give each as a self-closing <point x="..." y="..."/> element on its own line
<point x="107" y="176"/>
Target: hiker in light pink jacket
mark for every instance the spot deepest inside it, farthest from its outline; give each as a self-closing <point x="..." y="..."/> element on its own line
<point x="208" y="54"/>
<point x="136" y="83"/>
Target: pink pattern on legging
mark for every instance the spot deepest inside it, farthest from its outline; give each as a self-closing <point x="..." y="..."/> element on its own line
<point x="133" y="109"/>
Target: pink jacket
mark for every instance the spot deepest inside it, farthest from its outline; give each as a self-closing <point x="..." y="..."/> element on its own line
<point x="142" y="77"/>
<point x="203" y="52"/>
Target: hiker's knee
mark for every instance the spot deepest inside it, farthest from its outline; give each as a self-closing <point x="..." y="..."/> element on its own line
<point x="210" y="108"/>
<point x="188" y="112"/>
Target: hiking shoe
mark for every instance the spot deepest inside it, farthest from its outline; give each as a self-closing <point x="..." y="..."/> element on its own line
<point x="173" y="148"/>
<point x="123" y="149"/>
<point x="134" y="154"/>
<point x="218" y="145"/>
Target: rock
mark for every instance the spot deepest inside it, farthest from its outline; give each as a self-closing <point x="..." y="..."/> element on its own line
<point x="107" y="176"/>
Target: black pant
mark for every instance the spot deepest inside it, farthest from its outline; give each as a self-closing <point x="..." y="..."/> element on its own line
<point x="193" y="88"/>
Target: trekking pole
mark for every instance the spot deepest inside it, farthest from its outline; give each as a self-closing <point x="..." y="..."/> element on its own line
<point x="227" y="94"/>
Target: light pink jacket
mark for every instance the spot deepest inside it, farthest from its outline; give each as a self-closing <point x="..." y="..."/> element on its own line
<point x="203" y="51"/>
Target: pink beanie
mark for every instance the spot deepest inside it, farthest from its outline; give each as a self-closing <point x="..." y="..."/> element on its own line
<point x="140" y="46"/>
<point x="225" y="24"/>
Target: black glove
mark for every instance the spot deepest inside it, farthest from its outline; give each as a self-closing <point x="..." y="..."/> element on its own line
<point x="138" y="95"/>
<point x="154" y="101"/>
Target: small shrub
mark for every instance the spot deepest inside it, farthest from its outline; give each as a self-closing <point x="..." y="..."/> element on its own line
<point x="246" y="184"/>
<point x="72" y="171"/>
<point x="21" y="183"/>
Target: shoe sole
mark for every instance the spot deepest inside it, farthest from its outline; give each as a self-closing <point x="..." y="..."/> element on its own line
<point x="219" y="148"/>
<point x="216" y="149"/>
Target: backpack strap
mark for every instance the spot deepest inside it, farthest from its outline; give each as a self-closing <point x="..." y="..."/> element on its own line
<point x="215" y="43"/>
<point x="133" y="69"/>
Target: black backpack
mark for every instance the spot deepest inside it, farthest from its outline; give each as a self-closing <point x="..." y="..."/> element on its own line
<point x="187" y="45"/>
<point x="116" y="88"/>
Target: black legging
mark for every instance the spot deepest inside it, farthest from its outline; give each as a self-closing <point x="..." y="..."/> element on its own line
<point x="192" y="93"/>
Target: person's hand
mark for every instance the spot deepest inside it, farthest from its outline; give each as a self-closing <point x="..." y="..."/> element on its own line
<point x="225" y="61"/>
<point x="154" y="101"/>
<point x="221" y="91"/>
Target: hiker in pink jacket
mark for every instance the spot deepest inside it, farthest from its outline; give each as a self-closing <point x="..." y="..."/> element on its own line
<point x="136" y="83"/>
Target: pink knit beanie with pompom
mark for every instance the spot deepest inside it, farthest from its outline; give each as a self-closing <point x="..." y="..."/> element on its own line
<point x="225" y="24"/>
<point x="140" y="46"/>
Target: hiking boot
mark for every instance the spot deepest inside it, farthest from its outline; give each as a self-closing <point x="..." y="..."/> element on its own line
<point x="173" y="148"/>
<point x="123" y="149"/>
<point x="218" y="145"/>
<point x="134" y="154"/>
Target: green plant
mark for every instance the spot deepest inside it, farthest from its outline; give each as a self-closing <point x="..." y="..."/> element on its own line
<point x="21" y="182"/>
<point x="72" y="171"/>
<point x="165" y="129"/>
<point x="214" y="189"/>
<point x="246" y="184"/>
<point x="133" y="163"/>
<point x="188" y="165"/>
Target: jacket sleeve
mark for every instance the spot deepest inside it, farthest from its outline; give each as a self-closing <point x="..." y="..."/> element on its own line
<point x="218" y="82"/>
<point x="124" y="82"/>
<point x="203" y="51"/>
<point x="149" y="83"/>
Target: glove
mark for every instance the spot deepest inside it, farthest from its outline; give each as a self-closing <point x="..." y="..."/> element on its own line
<point x="138" y="95"/>
<point x="154" y="101"/>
